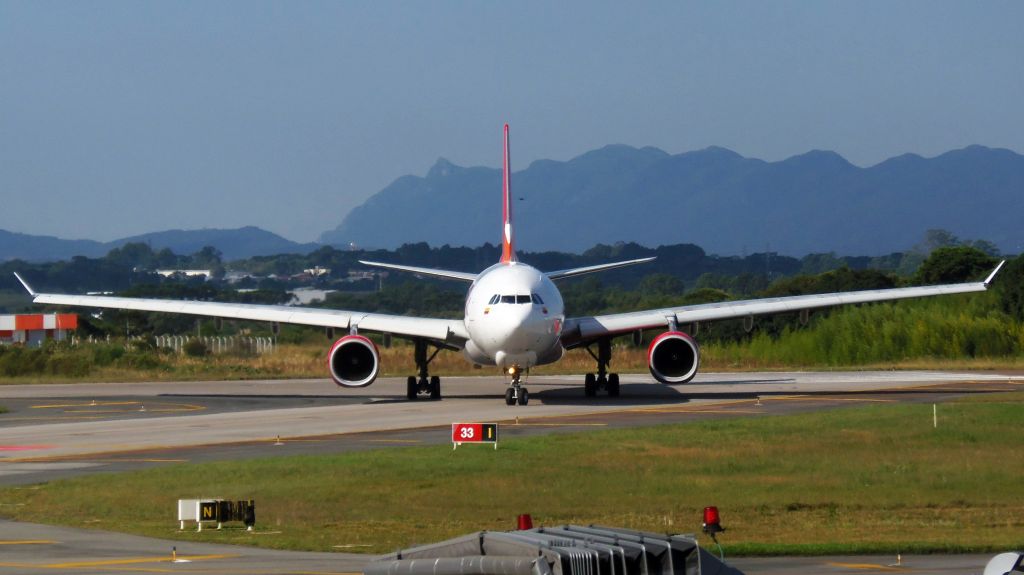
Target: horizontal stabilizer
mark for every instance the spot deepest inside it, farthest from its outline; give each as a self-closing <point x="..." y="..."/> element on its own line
<point x="562" y="274"/>
<point x="461" y="276"/>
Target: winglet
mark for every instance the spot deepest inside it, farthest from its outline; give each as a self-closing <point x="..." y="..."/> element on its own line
<point x="508" y="252"/>
<point x="992" y="275"/>
<point x="28" y="288"/>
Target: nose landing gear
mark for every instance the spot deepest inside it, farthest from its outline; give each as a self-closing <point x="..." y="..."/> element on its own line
<point x="516" y="393"/>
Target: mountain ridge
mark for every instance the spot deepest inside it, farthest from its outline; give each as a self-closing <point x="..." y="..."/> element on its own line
<point x="727" y="203"/>
<point x="233" y="243"/>
<point x="812" y="202"/>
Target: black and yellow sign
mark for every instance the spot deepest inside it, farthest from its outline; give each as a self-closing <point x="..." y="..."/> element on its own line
<point x="209" y="510"/>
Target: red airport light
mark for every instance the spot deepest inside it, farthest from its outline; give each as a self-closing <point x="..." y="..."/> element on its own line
<point x="712" y="521"/>
<point x="525" y="522"/>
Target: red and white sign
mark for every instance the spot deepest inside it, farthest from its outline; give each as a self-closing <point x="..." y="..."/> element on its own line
<point x="474" y="433"/>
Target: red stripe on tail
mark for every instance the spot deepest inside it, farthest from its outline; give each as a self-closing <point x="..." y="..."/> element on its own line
<point x="508" y="253"/>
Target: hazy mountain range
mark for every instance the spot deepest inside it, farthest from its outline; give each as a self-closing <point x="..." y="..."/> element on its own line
<point x="233" y="243"/>
<point x="715" y="198"/>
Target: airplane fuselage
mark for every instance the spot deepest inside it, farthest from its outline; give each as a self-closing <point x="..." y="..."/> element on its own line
<point x="514" y="316"/>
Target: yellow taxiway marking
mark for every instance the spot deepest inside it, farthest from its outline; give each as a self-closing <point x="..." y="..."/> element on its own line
<point x="29" y="542"/>
<point x="81" y="404"/>
<point x="524" y="424"/>
<point x="288" y="440"/>
<point x="678" y="408"/>
<point x="821" y="398"/>
<point x="138" y="460"/>
<point x="723" y="411"/>
<point x="140" y="569"/>
<point x="871" y="566"/>
<point x="719" y="406"/>
<point x="132" y="561"/>
<point x="396" y="441"/>
<point x="188" y="406"/>
<point x="974" y="389"/>
<point x="55" y="418"/>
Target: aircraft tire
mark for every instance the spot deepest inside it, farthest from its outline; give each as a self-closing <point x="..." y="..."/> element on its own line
<point x="589" y="385"/>
<point x="410" y="388"/>
<point x="613" y="385"/>
<point x="524" y="396"/>
<point x="435" y="387"/>
<point x="509" y="399"/>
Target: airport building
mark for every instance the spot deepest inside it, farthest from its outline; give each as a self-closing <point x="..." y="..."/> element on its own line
<point x="34" y="329"/>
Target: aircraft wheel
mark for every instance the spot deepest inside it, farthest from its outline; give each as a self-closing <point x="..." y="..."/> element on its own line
<point x="589" y="385"/>
<point x="524" y="396"/>
<point x="613" y="385"/>
<point x="410" y="388"/>
<point x="435" y="387"/>
<point x="509" y="398"/>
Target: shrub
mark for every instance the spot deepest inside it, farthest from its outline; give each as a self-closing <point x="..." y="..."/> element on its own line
<point x="141" y="360"/>
<point x="195" y="348"/>
<point x="106" y="354"/>
<point x="70" y="365"/>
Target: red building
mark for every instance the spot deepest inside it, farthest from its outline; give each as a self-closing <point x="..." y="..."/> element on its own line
<point x="34" y="329"/>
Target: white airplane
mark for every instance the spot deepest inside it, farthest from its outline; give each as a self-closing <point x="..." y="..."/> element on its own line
<point x="514" y="319"/>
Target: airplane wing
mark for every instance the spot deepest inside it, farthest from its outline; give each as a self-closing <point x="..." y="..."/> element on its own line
<point x="582" y="330"/>
<point x="450" y="332"/>
<point x="461" y="276"/>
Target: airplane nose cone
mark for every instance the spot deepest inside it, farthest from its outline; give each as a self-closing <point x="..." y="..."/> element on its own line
<point x="514" y="322"/>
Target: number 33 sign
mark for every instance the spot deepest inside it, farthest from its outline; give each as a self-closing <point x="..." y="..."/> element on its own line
<point x="474" y="433"/>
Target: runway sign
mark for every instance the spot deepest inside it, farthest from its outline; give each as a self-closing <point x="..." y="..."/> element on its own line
<point x="209" y="510"/>
<point x="474" y="433"/>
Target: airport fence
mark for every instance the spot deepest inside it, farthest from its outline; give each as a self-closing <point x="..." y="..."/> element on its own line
<point x="219" y="344"/>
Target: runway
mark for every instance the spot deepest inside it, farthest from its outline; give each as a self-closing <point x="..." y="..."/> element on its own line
<point x="56" y="431"/>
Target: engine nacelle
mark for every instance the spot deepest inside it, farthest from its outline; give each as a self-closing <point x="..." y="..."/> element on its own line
<point x="353" y="361"/>
<point x="673" y="357"/>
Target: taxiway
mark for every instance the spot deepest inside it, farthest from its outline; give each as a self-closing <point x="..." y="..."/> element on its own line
<point x="55" y="431"/>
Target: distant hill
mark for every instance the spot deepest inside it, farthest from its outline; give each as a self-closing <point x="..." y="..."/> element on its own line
<point x="716" y="198"/>
<point x="44" y="248"/>
<point x="233" y="243"/>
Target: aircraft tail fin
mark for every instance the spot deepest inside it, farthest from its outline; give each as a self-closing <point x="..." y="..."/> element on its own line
<point x="508" y="252"/>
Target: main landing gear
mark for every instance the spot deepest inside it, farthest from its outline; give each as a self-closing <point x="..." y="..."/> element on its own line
<point x="516" y="393"/>
<point x="603" y="380"/>
<point x="426" y="384"/>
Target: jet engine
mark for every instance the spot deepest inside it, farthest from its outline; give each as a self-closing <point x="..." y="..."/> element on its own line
<point x="673" y="357"/>
<point x="353" y="361"/>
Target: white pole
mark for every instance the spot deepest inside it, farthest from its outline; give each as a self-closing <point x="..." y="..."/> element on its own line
<point x="935" y="416"/>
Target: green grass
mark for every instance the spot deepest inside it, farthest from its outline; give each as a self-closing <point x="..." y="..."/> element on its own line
<point x="857" y="480"/>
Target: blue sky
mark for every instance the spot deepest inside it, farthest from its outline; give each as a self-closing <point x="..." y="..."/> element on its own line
<point x="121" y="118"/>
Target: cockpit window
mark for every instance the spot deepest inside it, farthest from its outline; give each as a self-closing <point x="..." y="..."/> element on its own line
<point x="513" y="299"/>
<point x="536" y="299"/>
<point x="494" y="299"/>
